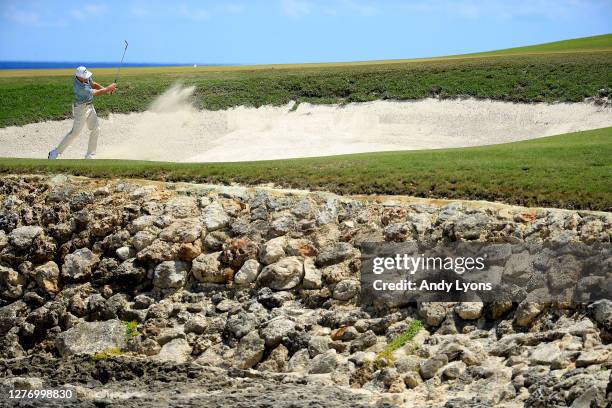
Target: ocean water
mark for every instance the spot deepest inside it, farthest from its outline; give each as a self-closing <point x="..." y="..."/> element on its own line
<point x="92" y="65"/>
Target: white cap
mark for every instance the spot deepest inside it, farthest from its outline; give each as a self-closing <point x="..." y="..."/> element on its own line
<point x="83" y="73"/>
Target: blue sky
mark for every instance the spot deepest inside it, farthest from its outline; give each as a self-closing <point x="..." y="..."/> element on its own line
<point x="286" y="31"/>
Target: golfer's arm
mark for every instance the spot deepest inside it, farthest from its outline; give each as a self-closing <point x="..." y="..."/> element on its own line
<point x="96" y="85"/>
<point x="102" y="91"/>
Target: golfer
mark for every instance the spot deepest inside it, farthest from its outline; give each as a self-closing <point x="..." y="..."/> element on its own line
<point x="83" y="112"/>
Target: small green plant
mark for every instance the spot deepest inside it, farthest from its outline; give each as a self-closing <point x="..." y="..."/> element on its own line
<point x="385" y="357"/>
<point x="295" y="106"/>
<point x="109" y="352"/>
<point x="131" y="329"/>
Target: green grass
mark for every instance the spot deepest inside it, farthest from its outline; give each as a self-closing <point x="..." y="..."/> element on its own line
<point x="131" y="329"/>
<point x="385" y="357"/>
<point x="597" y="42"/>
<point x="109" y="352"/>
<point x="567" y="171"/>
<point x="519" y="78"/>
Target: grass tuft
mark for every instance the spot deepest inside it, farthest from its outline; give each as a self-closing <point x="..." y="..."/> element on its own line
<point x="109" y="352"/>
<point x="385" y="357"/>
<point x="131" y="329"/>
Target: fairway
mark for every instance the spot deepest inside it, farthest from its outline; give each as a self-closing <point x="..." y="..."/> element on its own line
<point x="566" y="171"/>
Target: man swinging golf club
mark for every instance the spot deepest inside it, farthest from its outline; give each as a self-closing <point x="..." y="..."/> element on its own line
<point x="83" y="112"/>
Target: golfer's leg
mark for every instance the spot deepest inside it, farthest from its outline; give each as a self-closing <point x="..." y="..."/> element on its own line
<point x="79" y="121"/>
<point x="94" y="128"/>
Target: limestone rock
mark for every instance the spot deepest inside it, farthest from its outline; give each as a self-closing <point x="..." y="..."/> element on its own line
<point x="79" y="264"/>
<point x="469" y="310"/>
<point x="207" y="268"/>
<point x="47" y="277"/>
<point x="214" y="217"/>
<point x="324" y="363"/>
<point x="346" y="289"/>
<point x="248" y="272"/>
<point x="250" y="351"/>
<point x="312" y="275"/>
<point x="92" y="337"/>
<point x="176" y="351"/>
<point x="283" y="275"/>
<point x="275" y="330"/>
<point x="22" y="237"/>
<point x="272" y="251"/>
<point x="430" y="367"/>
<point x="170" y="274"/>
<point x="299" y="362"/>
<point x="182" y="231"/>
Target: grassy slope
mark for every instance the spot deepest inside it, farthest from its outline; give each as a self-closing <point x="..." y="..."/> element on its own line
<point x="571" y="171"/>
<point x="598" y="42"/>
<point x="530" y="77"/>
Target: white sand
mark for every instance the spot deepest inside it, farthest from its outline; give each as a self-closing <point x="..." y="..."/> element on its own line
<point x="172" y="130"/>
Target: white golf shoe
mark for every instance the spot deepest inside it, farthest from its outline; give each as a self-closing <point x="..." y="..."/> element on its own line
<point x="90" y="156"/>
<point x="53" y="154"/>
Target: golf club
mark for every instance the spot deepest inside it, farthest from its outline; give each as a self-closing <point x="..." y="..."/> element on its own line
<point x="121" y="63"/>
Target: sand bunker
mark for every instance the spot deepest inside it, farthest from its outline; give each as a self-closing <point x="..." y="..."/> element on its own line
<point x="173" y="130"/>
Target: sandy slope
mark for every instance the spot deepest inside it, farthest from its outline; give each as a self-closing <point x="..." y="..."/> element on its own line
<point x="172" y="130"/>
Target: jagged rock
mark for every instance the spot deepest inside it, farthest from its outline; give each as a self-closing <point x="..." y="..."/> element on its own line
<point x="430" y="367"/>
<point x="275" y="330"/>
<point x="22" y="237"/>
<point x="190" y="251"/>
<point x="169" y="334"/>
<point x="318" y="345"/>
<point x="250" y="351"/>
<point x="92" y="337"/>
<point x="207" y="268"/>
<point x="11" y="283"/>
<point x="412" y="379"/>
<point x="545" y="354"/>
<point x="366" y="340"/>
<point x="240" y="324"/>
<point x="79" y="264"/>
<point x="159" y="251"/>
<point x="299" y="362"/>
<point x="282" y="225"/>
<point x="143" y="301"/>
<point x="433" y="312"/>
<point x="182" y="207"/>
<point x="182" y="231"/>
<point x="323" y="363"/>
<point x="170" y="274"/>
<point x="276" y="361"/>
<point x="273" y="251"/>
<point x="175" y="351"/>
<point x="196" y="325"/>
<point x="130" y="269"/>
<point x="124" y="253"/>
<point x="469" y="310"/>
<point x="47" y="277"/>
<point x="590" y="357"/>
<point x="283" y="275"/>
<point x="346" y="289"/>
<point x="527" y="312"/>
<point x="312" y="275"/>
<point x="3" y="240"/>
<point x="339" y="253"/>
<point x="470" y="227"/>
<point x="214" y="217"/>
<point x="602" y="312"/>
<point x="248" y="272"/>
<point x="10" y="314"/>
<point x="142" y="239"/>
